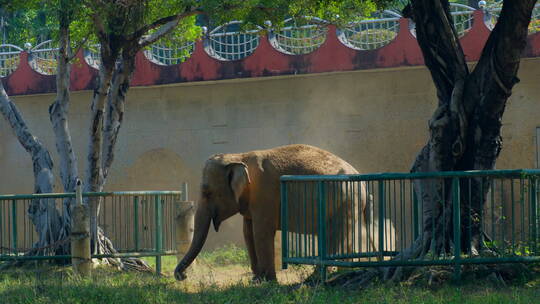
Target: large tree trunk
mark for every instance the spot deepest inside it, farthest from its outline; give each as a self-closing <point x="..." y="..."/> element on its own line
<point x="465" y="128"/>
<point x="464" y="131"/>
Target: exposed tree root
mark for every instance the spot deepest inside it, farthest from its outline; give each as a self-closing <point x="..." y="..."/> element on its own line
<point x="498" y="274"/>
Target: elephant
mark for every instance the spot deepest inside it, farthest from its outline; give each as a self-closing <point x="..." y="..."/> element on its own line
<point x="249" y="184"/>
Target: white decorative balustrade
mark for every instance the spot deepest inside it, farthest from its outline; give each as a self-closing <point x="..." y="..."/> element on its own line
<point x="169" y="53"/>
<point x="43" y="58"/>
<point x="227" y="42"/>
<point x="230" y="41"/>
<point x="463" y="18"/>
<point x="299" y="37"/>
<point x="9" y="58"/>
<point x="372" y="33"/>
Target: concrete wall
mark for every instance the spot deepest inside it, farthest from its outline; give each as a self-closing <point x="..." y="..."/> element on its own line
<point x="376" y="120"/>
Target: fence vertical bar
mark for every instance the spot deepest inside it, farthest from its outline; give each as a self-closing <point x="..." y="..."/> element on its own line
<point x="381" y="220"/>
<point x="284" y="228"/>
<point x="1" y="225"/>
<point x="456" y="214"/>
<point x="136" y="222"/>
<point x="322" y="230"/>
<point x="14" y="225"/>
<point x="158" y="210"/>
<point x="415" y="212"/>
<point x="533" y="221"/>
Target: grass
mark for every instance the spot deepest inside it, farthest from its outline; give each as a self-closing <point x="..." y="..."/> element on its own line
<point x="223" y="276"/>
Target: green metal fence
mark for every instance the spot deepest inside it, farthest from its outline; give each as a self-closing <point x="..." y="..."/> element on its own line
<point x="368" y="220"/>
<point x="139" y="224"/>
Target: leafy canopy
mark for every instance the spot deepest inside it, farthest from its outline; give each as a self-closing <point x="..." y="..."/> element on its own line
<point x="37" y="20"/>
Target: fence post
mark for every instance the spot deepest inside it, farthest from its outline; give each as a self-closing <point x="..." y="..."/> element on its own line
<point x="456" y="214"/>
<point x="284" y="228"/>
<point x="321" y="240"/>
<point x="80" y="235"/>
<point x="381" y="220"/>
<point x="159" y="226"/>
<point x="184" y="223"/>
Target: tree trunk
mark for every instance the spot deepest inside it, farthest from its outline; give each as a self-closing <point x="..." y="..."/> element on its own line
<point x="42" y="213"/>
<point x="58" y="112"/>
<point x="94" y="171"/>
<point x="465" y="128"/>
<point x="115" y="108"/>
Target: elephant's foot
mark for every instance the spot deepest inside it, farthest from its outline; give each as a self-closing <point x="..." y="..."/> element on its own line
<point x="260" y="278"/>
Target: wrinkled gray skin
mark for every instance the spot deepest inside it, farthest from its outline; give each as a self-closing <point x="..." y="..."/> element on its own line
<point x="248" y="183"/>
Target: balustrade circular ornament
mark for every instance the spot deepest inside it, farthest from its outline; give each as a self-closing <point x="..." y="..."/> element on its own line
<point x="371" y="33"/>
<point x="299" y="36"/>
<point x="9" y="59"/>
<point x="43" y="58"/>
<point x="228" y="42"/>
<point x="169" y="52"/>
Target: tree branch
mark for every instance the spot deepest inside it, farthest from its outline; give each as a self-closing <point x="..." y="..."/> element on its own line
<point x="155" y="36"/>
<point x="165" y="21"/>
<point x="439" y="43"/>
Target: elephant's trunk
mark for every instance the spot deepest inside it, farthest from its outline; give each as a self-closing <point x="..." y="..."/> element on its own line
<point x="202" y="225"/>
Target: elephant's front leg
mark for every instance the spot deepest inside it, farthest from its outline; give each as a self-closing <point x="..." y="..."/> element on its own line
<point x="264" y="234"/>
<point x="248" y="237"/>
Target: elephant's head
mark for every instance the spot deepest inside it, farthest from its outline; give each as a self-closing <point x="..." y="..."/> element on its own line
<point x="223" y="183"/>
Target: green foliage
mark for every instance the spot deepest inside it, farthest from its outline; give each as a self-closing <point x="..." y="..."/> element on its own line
<point x="24" y="21"/>
<point x="35" y="20"/>
<point x="226" y="255"/>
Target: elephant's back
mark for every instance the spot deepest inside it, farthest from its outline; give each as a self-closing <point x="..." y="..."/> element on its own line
<point x="306" y="160"/>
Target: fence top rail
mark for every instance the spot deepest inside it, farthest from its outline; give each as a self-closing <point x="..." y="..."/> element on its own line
<point x="417" y="175"/>
<point x="85" y="194"/>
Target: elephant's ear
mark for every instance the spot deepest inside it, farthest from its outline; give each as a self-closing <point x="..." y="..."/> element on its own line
<point x="238" y="178"/>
